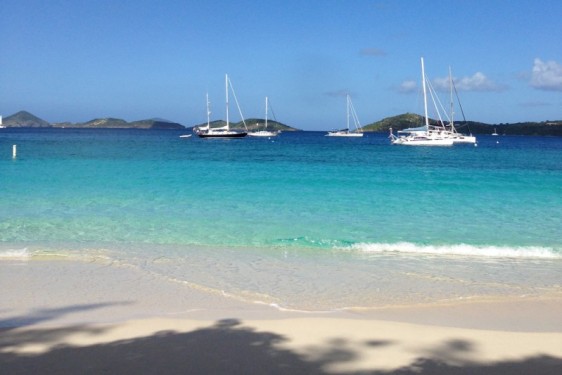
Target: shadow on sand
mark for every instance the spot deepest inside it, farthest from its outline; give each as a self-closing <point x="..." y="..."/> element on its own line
<point x="226" y="347"/>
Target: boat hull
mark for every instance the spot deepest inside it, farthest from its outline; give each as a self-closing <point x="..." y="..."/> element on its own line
<point x="262" y="134"/>
<point x="344" y="135"/>
<point x="423" y="142"/>
<point x="224" y="135"/>
<point x="465" y="139"/>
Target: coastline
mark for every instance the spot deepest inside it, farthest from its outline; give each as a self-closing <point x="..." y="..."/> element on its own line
<point x="143" y="326"/>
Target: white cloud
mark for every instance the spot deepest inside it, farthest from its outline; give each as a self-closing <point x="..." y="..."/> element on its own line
<point x="546" y="75"/>
<point x="407" y="87"/>
<point x="478" y="82"/>
<point x="442" y="84"/>
<point x="372" y="52"/>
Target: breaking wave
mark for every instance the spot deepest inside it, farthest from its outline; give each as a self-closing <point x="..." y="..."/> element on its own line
<point x="461" y="249"/>
<point x="16" y="254"/>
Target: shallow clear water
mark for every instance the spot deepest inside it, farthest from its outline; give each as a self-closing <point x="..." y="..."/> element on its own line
<point x="300" y="220"/>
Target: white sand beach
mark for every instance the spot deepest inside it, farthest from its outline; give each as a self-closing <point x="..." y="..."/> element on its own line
<point x="69" y="318"/>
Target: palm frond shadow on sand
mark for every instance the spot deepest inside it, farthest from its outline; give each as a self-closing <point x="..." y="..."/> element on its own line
<point x="226" y="347"/>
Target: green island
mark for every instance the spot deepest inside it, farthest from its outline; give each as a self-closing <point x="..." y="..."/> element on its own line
<point x="24" y="119"/>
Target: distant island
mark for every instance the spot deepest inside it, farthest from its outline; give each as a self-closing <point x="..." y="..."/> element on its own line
<point x="546" y="128"/>
<point x="24" y="119"/>
<point x="411" y="120"/>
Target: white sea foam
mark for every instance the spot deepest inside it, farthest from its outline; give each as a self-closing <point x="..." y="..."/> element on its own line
<point x="461" y="249"/>
<point x="16" y="254"/>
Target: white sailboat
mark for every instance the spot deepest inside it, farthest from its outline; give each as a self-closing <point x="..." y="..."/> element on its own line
<point x="264" y="132"/>
<point x="495" y="132"/>
<point x="223" y="131"/>
<point x="453" y="132"/>
<point x="427" y="135"/>
<point x="347" y="132"/>
<point x="1" y="126"/>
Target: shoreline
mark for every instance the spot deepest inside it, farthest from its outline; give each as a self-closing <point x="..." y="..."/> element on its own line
<point x="97" y="320"/>
<point x="63" y="292"/>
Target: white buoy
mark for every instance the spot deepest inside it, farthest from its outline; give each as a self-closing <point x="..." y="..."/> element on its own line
<point x="14" y="151"/>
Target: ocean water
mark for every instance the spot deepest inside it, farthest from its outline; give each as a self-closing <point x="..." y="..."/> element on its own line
<point x="300" y="221"/>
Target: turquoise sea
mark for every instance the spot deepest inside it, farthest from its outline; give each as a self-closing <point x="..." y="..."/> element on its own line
<point x="300" y="221"/>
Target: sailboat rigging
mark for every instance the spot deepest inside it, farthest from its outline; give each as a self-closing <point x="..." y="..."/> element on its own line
<point x="264" y="132"/>
<point x="350" y="114"/>
<point x="224" y="131"/>
<point x="427" y="135"/>
<point x="453" y="132"/>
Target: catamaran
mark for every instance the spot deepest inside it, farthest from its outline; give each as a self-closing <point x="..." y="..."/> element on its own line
<point x="264" y="132"/>
<point x="347" y="132"/>
<point x="223" y="131"/>
<point x="427" y="135"/>
<point x="453" y="132"/>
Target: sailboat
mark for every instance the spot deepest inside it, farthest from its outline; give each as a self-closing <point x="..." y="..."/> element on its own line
<point x="495" y="132"/>
<point x="224" y="131"/>
<point x="264" y="132"/>
<point x="347" y="132"/>
<point x="453" y="132"/>
<point x="1" y="126"/>
<point x="427" y="135"/>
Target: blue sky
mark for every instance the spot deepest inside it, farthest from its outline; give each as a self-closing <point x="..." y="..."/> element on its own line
<point x="76" y="60"/>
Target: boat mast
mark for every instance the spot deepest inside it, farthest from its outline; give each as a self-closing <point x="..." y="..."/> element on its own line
<point x="226" y="86"/>
<point x="354" y="116"/>
<point x="347" y="108"/>
<point x="424" y="96"/>
<point x="266" y="105"/>
<point x="208" y="112"/>
<point x="452" y="104"/>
